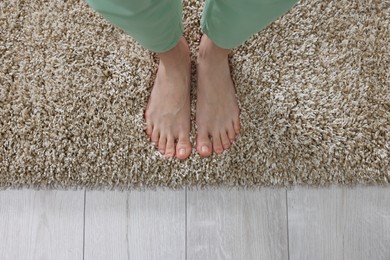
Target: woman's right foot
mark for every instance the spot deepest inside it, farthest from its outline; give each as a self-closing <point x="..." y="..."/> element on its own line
<point x="168" y="112"/>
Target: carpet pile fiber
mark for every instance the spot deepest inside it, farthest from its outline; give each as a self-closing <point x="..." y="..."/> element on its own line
<point x="313" y="89"/>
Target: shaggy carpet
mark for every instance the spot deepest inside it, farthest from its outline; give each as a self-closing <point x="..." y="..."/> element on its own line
<point x="313" y="89"/>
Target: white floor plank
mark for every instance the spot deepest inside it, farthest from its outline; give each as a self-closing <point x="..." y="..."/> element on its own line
<point x="237" y="224"/>
<point x="135" y="225"/>
<point x="41" y="224"/>
<point x="339" y="223"/>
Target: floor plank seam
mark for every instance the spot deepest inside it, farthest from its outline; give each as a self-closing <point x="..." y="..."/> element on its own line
<point x="127" y="226"/>
<point x="85" y="199"/>
<point x="186" y="223"/>
<point x="288" y="235"/>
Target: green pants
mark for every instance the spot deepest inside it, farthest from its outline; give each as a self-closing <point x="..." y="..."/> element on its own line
<point x="157" y="24"/>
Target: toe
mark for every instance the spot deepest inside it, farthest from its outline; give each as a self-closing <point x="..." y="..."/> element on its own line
<point x="149" y="128"/>
<point x="170" y="148"/>
<point x="231" y="133"/>
<point x="225" y="140"/>
<point x="217" y="145"/>
<point x="236" y="124"/>
<point x="183" y="147"/>
<point x="162" y="143"/>
<point x="155" y="136"/>
<point x="203" y="144"/>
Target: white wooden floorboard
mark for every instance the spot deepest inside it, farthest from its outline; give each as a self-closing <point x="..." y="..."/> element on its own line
<point x="135" y="225"/>
<point x="339" y="223"/>
<point x="41" y="224"/>
<point x="237" y="224"/>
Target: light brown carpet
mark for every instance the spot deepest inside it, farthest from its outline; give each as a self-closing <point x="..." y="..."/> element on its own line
<point x="313" y="89"/>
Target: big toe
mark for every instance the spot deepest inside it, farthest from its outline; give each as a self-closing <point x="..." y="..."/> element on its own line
<point x="203" y="144"/>
<point x="183" y="147"/>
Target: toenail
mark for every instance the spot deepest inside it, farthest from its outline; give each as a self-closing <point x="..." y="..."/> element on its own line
<point x="205" y="149"/>
<point x="182" y="151"/>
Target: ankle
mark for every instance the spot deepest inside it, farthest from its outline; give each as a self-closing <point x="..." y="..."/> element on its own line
<point x="209" y="50"/>
<point x="179" y="52"/>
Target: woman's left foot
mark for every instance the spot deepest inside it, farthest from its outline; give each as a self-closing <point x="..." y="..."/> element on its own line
<point x="217" y="111"/>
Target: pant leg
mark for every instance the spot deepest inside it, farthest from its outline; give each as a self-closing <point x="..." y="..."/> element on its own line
<point x="155" y="24"/>
<point x="229" y="23"/>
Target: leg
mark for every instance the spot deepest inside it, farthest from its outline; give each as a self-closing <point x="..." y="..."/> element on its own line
<point x="226" y="24"/>
<point x="229" y="23"/>
<point x="157" y="26"/>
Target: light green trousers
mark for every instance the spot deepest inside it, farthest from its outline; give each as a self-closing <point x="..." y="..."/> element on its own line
<point x="157" y="24"/>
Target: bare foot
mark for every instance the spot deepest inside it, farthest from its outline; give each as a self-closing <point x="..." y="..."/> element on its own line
<point x="217" y="111"/>
<point x="168" y="112"/>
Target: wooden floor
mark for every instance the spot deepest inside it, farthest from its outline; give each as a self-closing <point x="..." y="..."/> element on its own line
<point x="298" y="223"/>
